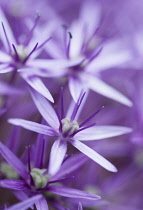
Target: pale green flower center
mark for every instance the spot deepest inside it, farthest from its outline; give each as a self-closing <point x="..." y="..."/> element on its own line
<point x="22" y="52"/>
<point x="8" y="171"/>
<point x="39" y="179"/>
<point x="68" y="125"/>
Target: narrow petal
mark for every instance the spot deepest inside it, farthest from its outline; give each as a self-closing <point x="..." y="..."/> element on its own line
<point x="112" y="55"/>
<point x="33" y="126"/>
<point x="45" y="109"/>
<point x="14" y="184"/>
<point x="57" y="155"/>
<point x="77" y="39"/>
<point x="101" y="132"/>
<point x="2" y="111"/>
<point x="8" y="31"/>
<point x="38" y="85"/>
<point x="41" y="204"/>
<point x="15" y="162"/>
<point x="80" y="206"/>
<point x="4" y="58"/>
<point x="24" y="205"/>
<point x="75" y="86"/>
<point x="104" y="89"/>
<point x="72" y="193"/>
<point x="6" y="89"/>
<point x="93" y="155"/>
<point x="20" y="195"/>
<point x="5" y="69"/>
<point x="71" y="164"/>
<point x="55" y="64"/>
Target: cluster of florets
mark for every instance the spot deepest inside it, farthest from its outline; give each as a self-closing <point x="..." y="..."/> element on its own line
<point x="68" y="77"/>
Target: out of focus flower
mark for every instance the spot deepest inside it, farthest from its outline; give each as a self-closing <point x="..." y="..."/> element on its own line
<point x="17" y="54"/>
<point x="97" y="55"/>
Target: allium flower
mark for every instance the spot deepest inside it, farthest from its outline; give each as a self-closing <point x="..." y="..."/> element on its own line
<point x="97" y="55"/>
<point x="36" y="181"/>
<point x="66" y="129"/>
<point x="17" y="54"/>
<point x="21" y="57"/>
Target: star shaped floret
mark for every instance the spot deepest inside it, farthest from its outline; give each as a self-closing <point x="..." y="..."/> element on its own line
<point x="66" y="129"/>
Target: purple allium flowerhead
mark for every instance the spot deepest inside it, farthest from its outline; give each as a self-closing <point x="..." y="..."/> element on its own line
<point x="66" y="129"/>
<point x="82" y="41"/>
<point x="36" y="181"/>
<point x="18" y="53"/>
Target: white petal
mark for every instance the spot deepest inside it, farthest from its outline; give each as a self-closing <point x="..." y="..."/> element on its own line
<point x="57" y="155"/>
<point x="101" y="132"/>
<point x="4" y="57"/>
<point x="36" y="83"/>
<point x="75" y="86"/>
<point x="93" y="155"/>
<point x="104" y="89"/>
<point x="110" y="56"/>
<point x="33" y="126"/>
<point x="45" y="109"/>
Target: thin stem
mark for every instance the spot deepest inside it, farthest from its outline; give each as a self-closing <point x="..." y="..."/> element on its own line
<point x="41" y="154"/>
<point x="47" y="40"/>
<point x="29" y="37"/>
<point x="77" y="105"/>
<point x="62" y="103"/>
<point x="7" y="40"/>
<point x="29" y="158"/>
<point x="89" y="126"/>
<point x="94" y="56"/>
<point x="60" y="128"/>
<point x="68" y="45"/>
<point x="16" y="53"/>
<point x="89" y="118"/>
<point x="30" y="53"/>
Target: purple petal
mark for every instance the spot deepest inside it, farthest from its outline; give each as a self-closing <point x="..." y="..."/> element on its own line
<point x="33" y="126"/>
<point x="20" y="195"/>
<point x="80" y="206"/>
<point x="4" y="58"/>
<point x="2" y="111"/>
<point x="104" y="89"/>
<point x="57" y="155"/>
<point x="41" y="204"/>
<point x="57" y="64"/>
<point x="14" y="184"/>
<point x="45" y="109"/>
<point x="8" y="31"/>
<point x="38" y="85"/>
<point x="5" y="69"/>
<point x="24" y="205"/>
<point x="72" y="193"/>
<point x="101" y="132"/>
<point x="75" y="86"/>
<point x="110" y="57"/>
<point x="6" y="89"/>
<point x="13" y="161"/>
<point x="93" y="155"/>
<point x="90" y="11"/>
<point x="71" y="164"/>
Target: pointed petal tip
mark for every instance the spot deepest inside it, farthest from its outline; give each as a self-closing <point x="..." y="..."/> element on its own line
<point x="129" y="103"/>
<point x="52" y="100"/>
<point x="115" y="170"/>
<point x="11" y="120"/>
